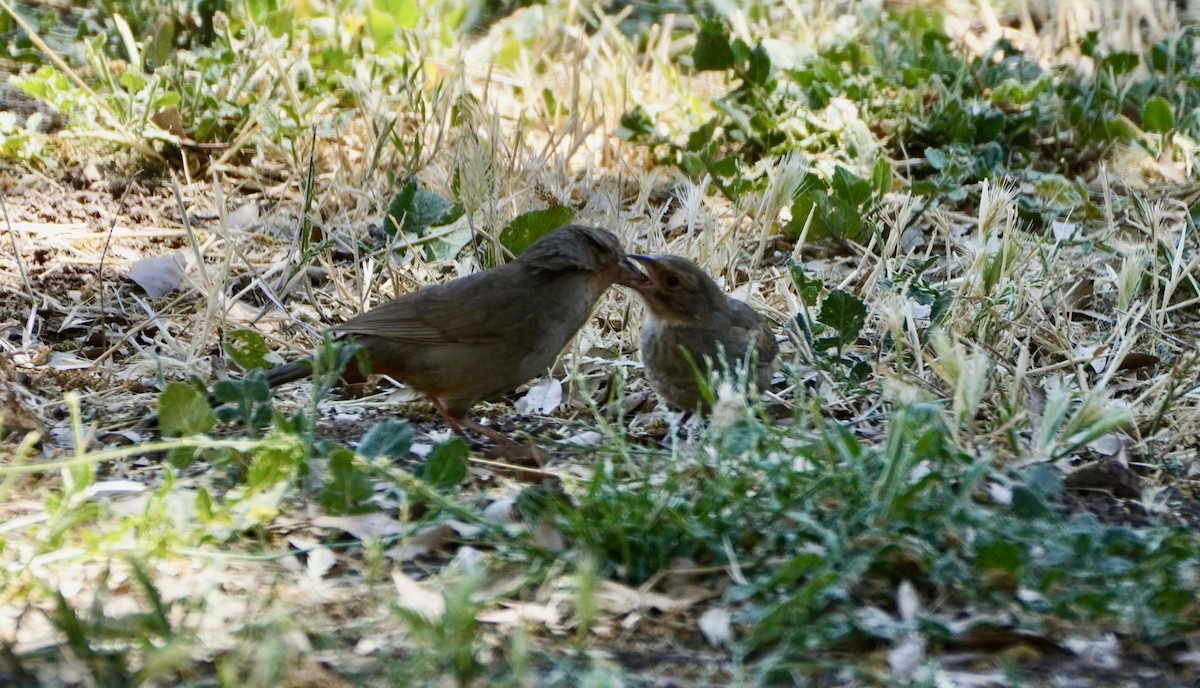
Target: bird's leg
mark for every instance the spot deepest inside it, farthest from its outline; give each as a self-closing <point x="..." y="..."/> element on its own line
<point x="457" y="424"/>
<point x="493" y="434"/>
<point x="447" y="416"/>
<point x="506" y="447"/>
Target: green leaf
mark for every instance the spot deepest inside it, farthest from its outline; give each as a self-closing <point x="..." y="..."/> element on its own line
<point x="713" y="51"/>
<point x="809" y="289"/>
<point x="844" y="313"/>
<point x="937" y="158"/>
<point x="635" y="125"/>
<point x="881" y="176"/>
<point x="989" y="125"/>
<point x="725" y="167"/>
<point x="758" y="71"/>
<point x="184" y="410"/>
<point x="248" y="348"/>
<point x="1028" y="504"/>
<point x="1000" y="555"/>
<point x="132" y="81"/>
<point x="413" y="210"/>
<point x="270" y="466"/>
<point x="447" y="464"/>
<point x="528" y="227"/>
<point x="389" y="439"/>
<point x="251" y="389"/>
<point x="811" y="202"/>
<point x="1059" y="193"/>
<point x="843" y="220"/>
<point x="403" y="12"/>
<point x="1120" y="62"/>
<point x="1160" y="56"/>
<point x="1157" y="116"/>
<point x="701" y="136"/>
<point x="849" y="188"/>
<point x="382" y="28"/>
<point x="348" y="489"/>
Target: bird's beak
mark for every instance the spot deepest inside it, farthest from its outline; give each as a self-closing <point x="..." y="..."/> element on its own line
<point x="631" y="275"/>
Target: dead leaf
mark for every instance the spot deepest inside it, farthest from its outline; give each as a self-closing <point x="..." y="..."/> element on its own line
<point x="159" y="275"/>
<point x="1079" y="295"/>
<point x="517" y="612"/>
<point x="907" y="657"/>
<point x="587" y="438"/>
<point x="15" y="417"/>
<point x="908" y="603"/>
<point x="1103" y="652"/>
<point x="542" y="398"/>
<point x="1110" y="445"/>
<point x="169" y="120"/>
<point x="548" y="537"/>
<point x="61" y="360"/>
<point x="621" y="599"/>
<point x="1062" y="231"/>
<point x="243" y="217"/>
<point x="320" y="561"/>
<point x="362" y="526"/>
<point x="1135" y="360"/>
<point x="502" y="512"/>
<point x="716" y="625"/>
<point x="423" y="542"/>
<point x="418" y="597"/>
<point x="1110" y="476"/>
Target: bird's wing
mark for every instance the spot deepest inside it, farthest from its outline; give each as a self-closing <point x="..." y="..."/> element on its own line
<point x="478" y="309"/>
<point x="746" y="318"/>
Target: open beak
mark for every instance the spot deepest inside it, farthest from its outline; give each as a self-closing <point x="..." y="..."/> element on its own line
<point x="631" y="275"/>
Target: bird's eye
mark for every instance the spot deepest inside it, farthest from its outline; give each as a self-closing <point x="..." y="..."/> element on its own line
<point x="671" y="281"/>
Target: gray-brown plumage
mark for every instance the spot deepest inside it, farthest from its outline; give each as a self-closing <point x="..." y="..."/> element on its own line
<point x="687" y="311"/>
<point x="485" y="334"/>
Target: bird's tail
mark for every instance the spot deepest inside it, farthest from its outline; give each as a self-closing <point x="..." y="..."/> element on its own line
<point x="289" y="372"/>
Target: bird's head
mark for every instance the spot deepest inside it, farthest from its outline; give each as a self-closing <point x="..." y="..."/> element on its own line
<point x="591" y="249"/>
<point x="677" y="291"/>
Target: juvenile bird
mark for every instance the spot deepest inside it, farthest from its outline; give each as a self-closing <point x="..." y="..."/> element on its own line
<point x="485" y="334"/>
<point x="688" y="312"/>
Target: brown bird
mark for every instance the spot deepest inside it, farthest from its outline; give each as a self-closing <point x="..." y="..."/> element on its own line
<point x="688" y="312"/>
<point x="485" y="334"/>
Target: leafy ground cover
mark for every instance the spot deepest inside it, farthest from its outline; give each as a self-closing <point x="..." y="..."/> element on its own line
<point x="972" y="225"/>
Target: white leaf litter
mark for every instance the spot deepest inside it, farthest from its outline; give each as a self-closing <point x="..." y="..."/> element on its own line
<point x="1062" y="231"/>
<point x="907" y="657"/>
<point x="1000" y="494"/>
<point x="320" y="561"/>
<point x="549" y="538"/>
<point x="502" y="512"/>
<point x="159" y="275"/>
<point x="244" y="217"/>
<point x="467" y="559"/>
<point x="542" y="398"/>
<point x="418" y="597"/>
<point x="362" y="526"/>
<point x="587" y="438"/>
<point x="110" y="487"/>
<point x="1102" y="653"/>
<point x="907" y="601"/>
<point x="61" y="360"/>
<point x="514" y="613"/>
<point x="716" y="625"/>
<point x="621" y="599"/>
<point x="425" y="541"/>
